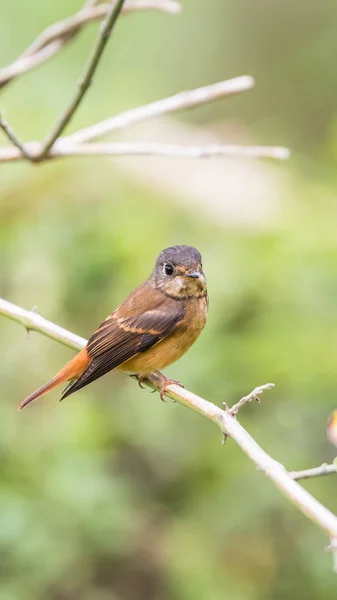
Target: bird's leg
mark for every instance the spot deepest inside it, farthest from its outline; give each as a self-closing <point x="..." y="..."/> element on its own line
<point x="165" y="381"/>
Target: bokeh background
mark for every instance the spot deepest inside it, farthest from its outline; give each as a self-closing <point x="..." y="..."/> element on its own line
<point x="114" y="494"/>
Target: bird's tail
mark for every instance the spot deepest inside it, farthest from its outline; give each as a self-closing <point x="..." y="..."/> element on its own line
<point x="71" y="370"/>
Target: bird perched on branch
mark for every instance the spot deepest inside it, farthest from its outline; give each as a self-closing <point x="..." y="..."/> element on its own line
<point x="154" y="327"/>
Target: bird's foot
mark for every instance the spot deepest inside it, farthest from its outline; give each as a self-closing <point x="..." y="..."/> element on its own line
<point x="165" y="383"/>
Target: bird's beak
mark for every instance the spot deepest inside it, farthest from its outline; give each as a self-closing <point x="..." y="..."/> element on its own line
<point x="193" y="274"/>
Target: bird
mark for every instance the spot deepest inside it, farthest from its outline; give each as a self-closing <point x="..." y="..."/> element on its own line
<point x="156" y="324"/>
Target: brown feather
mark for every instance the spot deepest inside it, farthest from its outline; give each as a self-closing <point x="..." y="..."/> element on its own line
<point x="130" y="331"/>
<point x="71" y="370"/>
<point x="175" y="345"/>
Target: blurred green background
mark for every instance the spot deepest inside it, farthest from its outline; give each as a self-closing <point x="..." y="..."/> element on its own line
<point x="114" y="494"/>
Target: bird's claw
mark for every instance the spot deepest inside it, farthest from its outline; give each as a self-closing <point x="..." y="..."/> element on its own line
<point x="139" y="379"/>
<point x="166" y="383"/>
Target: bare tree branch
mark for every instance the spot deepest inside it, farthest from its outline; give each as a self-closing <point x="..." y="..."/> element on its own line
<point x="73" y="145"/>
<point x="72" y="25"/>
<point x="27" y="63"/>
<point x="32" y="321"/>
<point x="86" y="77"/>
<point x="172" y="150"/>
<point x="180" y="101"/>
<point x="228" y="424"/>
<point x="144" y="149"/>
<point x="50" y="41"/>
<point x="254" y="395"/>
<point x="324" y="469"/>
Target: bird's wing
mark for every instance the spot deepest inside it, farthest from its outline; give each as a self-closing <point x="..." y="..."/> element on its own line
<point x="120" y="338"/>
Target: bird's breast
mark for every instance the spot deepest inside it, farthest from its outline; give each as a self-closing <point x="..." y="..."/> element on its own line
<point x="172" y="347"/>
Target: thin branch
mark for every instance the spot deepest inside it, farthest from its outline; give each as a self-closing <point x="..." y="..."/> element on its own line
<point x="32" y="321"/>
<point x="72" y="145"/>
<point x="180" y="101"/>
<point x="72" y="25"/>
<point x="171" y="150"/>
<point x="50" y="41"/>
<point x="145" y="149"/>
<point x="254" y="395"/>
<point x="86" y="77"/>
<point x="8" y="131"/>
<point x="26" y="63"/>
<point x="324" y="469"/>
<point x="172" y="7"/>
<point x="228" y="424"/>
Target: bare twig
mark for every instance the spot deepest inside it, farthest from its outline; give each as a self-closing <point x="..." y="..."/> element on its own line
<point x="50" y="41"/>
<point x="275" y="471"/>
<point x="172" y="7"/>
<point x="73" y="145"/>
<point x="323" y="469"/>
<point x="32" y="321"/>
<point x="180" y="101"/>
<point x="8" y="131"/>
<point x="171" y="150"/>
<point x="26" y="63"/>
<point x="254" y="395"/>
<point x="86" y="77"/>
<point x="146" y="149"/>
<point x="70" y="26"/>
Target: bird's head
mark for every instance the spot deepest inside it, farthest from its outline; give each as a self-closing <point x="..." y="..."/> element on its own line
<point x="178" y="273"/>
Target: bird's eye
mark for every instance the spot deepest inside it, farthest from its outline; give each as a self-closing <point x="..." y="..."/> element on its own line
<point x="168" y="269"/>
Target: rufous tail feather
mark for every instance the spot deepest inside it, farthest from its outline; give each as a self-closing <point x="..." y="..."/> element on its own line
<point x="71" y="370"/>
